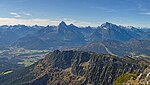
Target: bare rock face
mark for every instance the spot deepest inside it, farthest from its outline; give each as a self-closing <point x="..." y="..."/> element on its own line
<point x="143" y="78"/>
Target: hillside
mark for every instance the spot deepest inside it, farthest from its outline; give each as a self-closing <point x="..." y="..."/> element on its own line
<point x="6" y="65"/>
<point x="142" y="78"/>
<point x="133" y="48"/>
<point x="74" y="67"/>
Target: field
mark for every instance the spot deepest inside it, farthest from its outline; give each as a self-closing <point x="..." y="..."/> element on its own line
<point x="19" y="57"/>
<point x="4" y="73"/>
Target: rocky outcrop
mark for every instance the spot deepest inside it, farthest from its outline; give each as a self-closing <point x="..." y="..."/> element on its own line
<point x="142" y="79"/>
<point x="78" y="68"/>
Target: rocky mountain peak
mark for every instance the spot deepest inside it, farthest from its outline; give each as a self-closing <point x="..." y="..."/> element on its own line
<point x="62" y="24"/>
<point x="108" y="25"/>
<point x="72" y="26"/>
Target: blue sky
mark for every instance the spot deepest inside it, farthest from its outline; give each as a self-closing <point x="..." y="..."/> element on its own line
<point x="79" y="12"/>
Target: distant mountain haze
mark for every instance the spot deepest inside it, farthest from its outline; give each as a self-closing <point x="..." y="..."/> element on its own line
<point x="68" y="36"/>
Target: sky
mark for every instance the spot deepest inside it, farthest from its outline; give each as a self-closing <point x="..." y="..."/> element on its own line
<point x="79" y="12"/>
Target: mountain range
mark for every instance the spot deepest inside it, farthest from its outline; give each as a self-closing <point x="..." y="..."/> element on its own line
<point x="66" y="36"/>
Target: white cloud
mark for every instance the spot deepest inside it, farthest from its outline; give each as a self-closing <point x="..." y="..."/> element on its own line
<point x="16" y="15"/>
<point x="143" y="11"/>
<point x="103" y="9"/>
<point x="141" y="8"/>
<point x="146" y="13"/>
<point x="14" y="21"/>
<point x="27" y="14"/>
